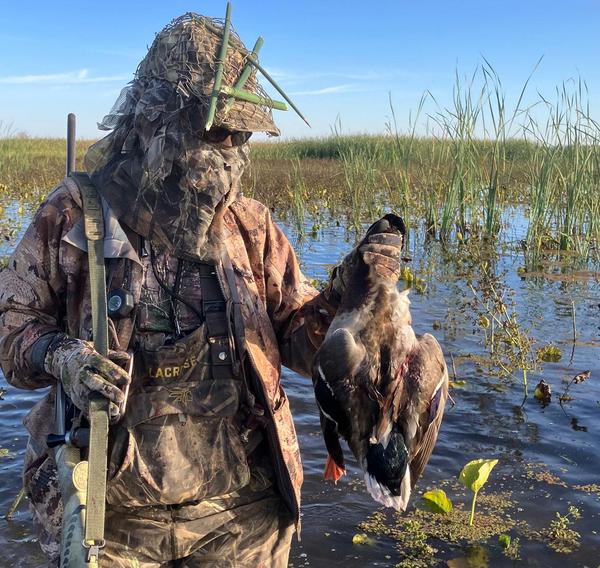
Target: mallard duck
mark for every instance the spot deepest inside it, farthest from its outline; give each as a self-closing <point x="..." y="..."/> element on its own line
<point x="378" y="385"/>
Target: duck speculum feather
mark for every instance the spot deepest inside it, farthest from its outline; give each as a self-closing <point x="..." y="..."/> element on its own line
<point x="378" y="385"/>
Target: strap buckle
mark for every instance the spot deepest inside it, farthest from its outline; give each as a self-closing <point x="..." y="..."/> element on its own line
<point x="93" y="553"/>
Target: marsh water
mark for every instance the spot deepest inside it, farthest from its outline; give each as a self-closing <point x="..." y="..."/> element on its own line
<point x="549" y="456"/>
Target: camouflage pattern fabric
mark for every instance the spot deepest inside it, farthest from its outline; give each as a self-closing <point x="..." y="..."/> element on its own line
<point x="251" y="527"/>
<point x="41" y="481"/>
<point x="173" y="188"/>
<point x="381" y="251"/>
<point x="184" y="58"/>
<point x="82" y="370"/>
<point x="179" y="441"/>
<point x="242" y="530"/>
<point x="45" y="288"/>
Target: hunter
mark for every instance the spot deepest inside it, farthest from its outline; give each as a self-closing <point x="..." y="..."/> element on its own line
<point x="203" y="466"/>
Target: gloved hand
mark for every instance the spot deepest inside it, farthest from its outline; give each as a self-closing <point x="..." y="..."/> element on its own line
<point x="82" y="370"/>
<point x="380" y="248"/>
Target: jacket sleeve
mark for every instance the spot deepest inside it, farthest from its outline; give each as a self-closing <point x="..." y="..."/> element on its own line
<point x="32" y="292"/>
<point x="300" y="315"/>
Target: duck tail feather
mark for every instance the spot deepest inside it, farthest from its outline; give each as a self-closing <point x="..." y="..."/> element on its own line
<point x="382" y="494"/>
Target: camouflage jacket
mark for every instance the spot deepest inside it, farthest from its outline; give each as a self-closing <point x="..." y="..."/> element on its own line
<point x="45" y="288"/>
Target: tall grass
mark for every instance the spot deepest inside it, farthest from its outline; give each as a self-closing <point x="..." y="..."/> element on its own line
<point x="453" y="171"/>
<point x="564" y="175"/>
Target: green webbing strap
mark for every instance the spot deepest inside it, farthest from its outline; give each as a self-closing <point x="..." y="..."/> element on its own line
<point x="98" y="449"/>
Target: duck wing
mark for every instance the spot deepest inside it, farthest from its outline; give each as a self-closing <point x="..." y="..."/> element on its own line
<point x="428" y="377"/>
<point x="335" y="365"/>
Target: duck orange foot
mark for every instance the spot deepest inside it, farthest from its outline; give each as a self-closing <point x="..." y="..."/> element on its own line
<point x="333" y="471"/>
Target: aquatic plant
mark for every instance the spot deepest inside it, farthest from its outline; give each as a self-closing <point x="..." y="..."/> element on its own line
<point x="560" y="536"/>
<point x="474" y="476"/>
<point x="298" y="197"/>
<point x="410" y="538"/>
<point x="577" y="379"/>
<point x="511" y="547"/>
<point x="436" y="501"/>
<point x="510" y="344"/>
<point x="549" y="353"/>
<point x="543" y="392"/>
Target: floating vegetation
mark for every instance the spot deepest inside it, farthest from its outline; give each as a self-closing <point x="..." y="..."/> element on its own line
<point x="543" y="392"/>
<point x="549" y="354"/>
<point x="539" y="472"/>
<point x="560" y="536"/>
<point x="410" y="538"/>
<point x="361" y="538"/>
<point x="591" y="488"/>
<point x="511" y="547"/>
<point x="414" y="532"/>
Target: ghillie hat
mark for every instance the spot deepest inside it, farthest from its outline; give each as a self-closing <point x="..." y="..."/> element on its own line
<point x="198" y="73"/>
<point x="186" y="53"/>
<point x="162" y="169"/>
<point x="207" y="67"/>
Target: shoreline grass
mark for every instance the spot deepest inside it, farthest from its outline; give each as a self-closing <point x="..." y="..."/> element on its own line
<point x="477" y="157"/>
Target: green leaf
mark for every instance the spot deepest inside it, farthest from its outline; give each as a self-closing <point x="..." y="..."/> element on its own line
<point x="436" y="501"/>
<point x="504" y="541"/>
<point x="361" y="538"/>
<point x="475" y="474"/>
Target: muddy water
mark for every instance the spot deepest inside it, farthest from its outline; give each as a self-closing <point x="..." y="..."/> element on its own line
<point x="488" y="420"/>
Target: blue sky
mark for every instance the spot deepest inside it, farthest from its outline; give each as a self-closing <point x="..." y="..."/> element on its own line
<point x="336" y="59"/>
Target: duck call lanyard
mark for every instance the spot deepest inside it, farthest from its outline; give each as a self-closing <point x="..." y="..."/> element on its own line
<point x="98" y="409"/>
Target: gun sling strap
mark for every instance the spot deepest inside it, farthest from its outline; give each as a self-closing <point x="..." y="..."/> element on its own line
<point x="98" y="409"/>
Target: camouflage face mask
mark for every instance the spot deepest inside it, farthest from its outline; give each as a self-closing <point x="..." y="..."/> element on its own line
<point x="190" y="203"/>
<point x="177" y="207"/>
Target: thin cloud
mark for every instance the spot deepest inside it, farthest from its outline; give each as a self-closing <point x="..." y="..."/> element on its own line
<point x="369" y="75"/>
<point x="328" y="90"/>
<point x="68" y="78"/>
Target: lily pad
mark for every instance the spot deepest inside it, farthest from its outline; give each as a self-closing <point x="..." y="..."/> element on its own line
<point x="436" y="501"/>
<point x="475" y="474"/>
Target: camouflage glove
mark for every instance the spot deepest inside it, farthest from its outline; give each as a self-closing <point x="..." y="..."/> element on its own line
<point x="82" y="370"/>
<point x="381" y="249"/>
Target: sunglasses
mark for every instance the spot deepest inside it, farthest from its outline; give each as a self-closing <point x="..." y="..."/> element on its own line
<point x="218" y="135"/>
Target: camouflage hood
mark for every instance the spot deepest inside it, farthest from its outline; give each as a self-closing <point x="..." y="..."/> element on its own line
<point x="154" y="169"/>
